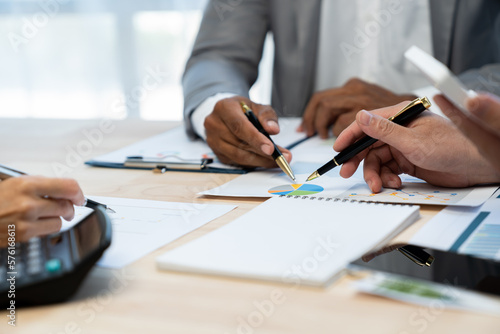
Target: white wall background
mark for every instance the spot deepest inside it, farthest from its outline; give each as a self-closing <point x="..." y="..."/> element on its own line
<point x="100" y="58"/>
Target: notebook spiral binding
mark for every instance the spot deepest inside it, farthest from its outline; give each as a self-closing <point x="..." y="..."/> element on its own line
<point x="338" y="199"/>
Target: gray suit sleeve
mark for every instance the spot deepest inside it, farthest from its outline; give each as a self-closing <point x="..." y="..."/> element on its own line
<point x="476" y="45"/>
<point x="227" y="52"/>
<point x="484" y="79"/>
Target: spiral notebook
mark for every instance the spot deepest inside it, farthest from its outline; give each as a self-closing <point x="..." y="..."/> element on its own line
<point x="300" y="240"/>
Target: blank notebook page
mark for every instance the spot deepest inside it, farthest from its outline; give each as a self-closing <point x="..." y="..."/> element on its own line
<point x="304" y="240"/>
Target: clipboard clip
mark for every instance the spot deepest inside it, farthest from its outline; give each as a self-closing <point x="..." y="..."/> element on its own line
<point x="161" y="166"/>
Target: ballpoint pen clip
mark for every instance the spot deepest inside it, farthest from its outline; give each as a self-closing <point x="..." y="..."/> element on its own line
<point x="424" y="100"/>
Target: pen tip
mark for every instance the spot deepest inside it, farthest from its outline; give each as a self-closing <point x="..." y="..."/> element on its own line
<point x="313" y="176"/>
<point x="244" y="106"/>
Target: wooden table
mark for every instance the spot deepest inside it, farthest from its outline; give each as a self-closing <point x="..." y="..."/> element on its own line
<point x="141" y="299"/>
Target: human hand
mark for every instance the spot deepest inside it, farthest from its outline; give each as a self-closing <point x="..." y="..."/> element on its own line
<point x="482" y="127"/>
<point x="35" y="204"/>
<point x="338" y="106"/>
<point x="234" y="139"/>
<point x="429" y="147"/>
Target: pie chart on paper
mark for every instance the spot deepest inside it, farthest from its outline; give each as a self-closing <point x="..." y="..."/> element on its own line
<point x="296" y="189"/>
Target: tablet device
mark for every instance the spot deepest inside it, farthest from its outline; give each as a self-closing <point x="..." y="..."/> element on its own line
<point x="441" y="77"/>
<point x="445" y="268"/>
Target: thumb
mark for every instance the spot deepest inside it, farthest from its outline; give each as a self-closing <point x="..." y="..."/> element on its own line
<point x="384" y="130"/>
<point x="487" y="108"/>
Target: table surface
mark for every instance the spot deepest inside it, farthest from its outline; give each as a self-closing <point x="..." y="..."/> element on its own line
<point x="139" y="298"/>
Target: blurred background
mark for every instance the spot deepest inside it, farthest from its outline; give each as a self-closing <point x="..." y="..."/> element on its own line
<point x="117" y="59"/>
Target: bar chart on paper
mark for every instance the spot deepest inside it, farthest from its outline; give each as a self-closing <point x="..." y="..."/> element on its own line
<point x="414" y="195"/>
<point x="473" y="231"/>
<point x="482" y="237"/>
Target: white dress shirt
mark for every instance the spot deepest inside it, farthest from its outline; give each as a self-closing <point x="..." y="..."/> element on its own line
<point x="364" y="39"/>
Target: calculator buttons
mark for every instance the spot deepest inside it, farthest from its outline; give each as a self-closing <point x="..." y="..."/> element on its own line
<point x="34" y="256"/>
<point x="3" y="274"/>
<point x="34" y="267"/>
<point x="20" y="268"/>
<point x="34" y="243"/>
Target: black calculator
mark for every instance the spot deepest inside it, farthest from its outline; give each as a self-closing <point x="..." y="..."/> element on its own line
<point x="49" y="269"/>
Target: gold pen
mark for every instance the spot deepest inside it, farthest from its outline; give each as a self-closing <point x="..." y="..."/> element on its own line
<point x="277" y="155"/>
<point x="405" y="115"/>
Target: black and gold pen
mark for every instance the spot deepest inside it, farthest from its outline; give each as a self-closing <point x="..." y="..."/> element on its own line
<point x="277" y="155"/>
<point x="403" y="117"/>
<point x="417" y="255"/>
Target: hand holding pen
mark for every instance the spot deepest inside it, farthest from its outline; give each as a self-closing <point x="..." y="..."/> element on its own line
<point x="277" y="155"/>
<point x="430" y="147"/>
<point x="32" y="205"/>
<point x="403" y="117"/>
<point x="8" y="172"/>
<point x="235" y="140"/>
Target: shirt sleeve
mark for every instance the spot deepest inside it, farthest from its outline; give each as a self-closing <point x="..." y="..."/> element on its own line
<point x="203" y="110"/>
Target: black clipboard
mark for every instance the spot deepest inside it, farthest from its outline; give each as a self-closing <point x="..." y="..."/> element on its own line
<point x="178" y="164"/>
<point x="159" y="166"/>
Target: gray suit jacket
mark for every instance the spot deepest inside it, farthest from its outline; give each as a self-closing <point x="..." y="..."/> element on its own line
<point x="228" y="49"/>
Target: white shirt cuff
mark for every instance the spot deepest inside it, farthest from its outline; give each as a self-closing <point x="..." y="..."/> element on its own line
<point x="430" y="92"/>
<point x="204" y="109"/>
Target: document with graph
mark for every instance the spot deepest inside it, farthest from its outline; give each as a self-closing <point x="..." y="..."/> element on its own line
<point x="414" y="191"/>
<point x="472" y="231"/>
<point x="141" y="226"/>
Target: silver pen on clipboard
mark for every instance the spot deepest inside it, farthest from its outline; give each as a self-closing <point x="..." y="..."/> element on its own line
<point x="160" y="165"/>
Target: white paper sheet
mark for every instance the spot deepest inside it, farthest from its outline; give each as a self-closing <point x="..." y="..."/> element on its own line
<point x="292" y="240"/>
<point x="274" y="183"/>
<point x="175" y="146"/>
<point x="141" y="226"/>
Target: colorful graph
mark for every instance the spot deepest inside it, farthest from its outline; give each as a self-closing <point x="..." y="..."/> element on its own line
<point x="296" y="189"/>
<point x="423" y="194"/>
<point x="406" y="196"/>
<point x="481" y="238"/>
